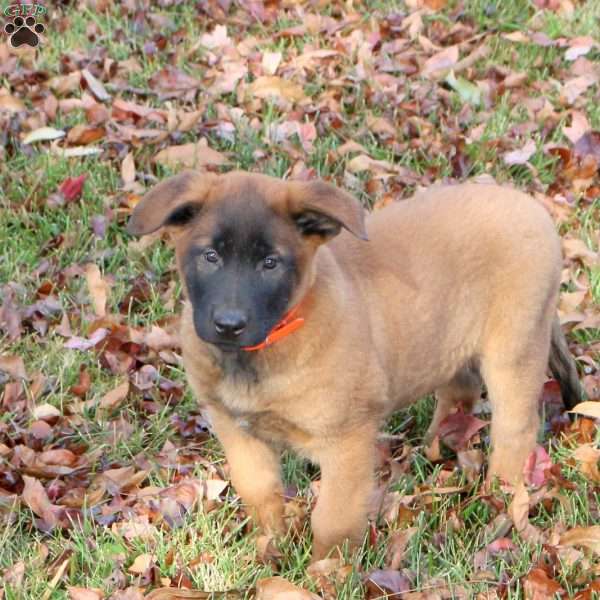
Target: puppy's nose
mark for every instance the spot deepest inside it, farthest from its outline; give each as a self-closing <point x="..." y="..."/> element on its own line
<point x="230" y="322"/>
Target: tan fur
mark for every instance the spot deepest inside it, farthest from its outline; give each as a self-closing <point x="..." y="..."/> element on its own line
<point x="456" y="278"/>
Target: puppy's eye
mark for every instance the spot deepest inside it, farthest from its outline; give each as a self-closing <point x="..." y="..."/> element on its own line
<point x="270" y="262"/>
<point x="211" y="256"/>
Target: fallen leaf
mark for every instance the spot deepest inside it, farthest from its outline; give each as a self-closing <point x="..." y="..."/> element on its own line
<point x="10" y="103"/>
<point x="36" y="498"/>
<point x="45" y="411"/>
<point x="272" y="86"/>
<point x="458" y="428"/>
<point x="587" y="409"/>
<point x="471" y="462"/>
<point x="141" y="564"/>
<point x="79" y="593"/>
<point x="278" y="588"/>
<point x="579" y="126"/>
<point x="518" y="511"/>
<point x="72" y="187"/>
<point x="98" y="288"/>
<point x="538" y="462"/>
<point x="128" y="170"/>
<point x="113" y="399"/>
<point x="579" y="46"/>
<point x="520" y="157"/>
<point x="13" y="365"/>
<point x="196" y="155"/>
<point x="468" y="92"/>
<point x="588" y="145"/>
<point x="217" y="39"/>
<point x="538" y="586"/>
<point x="588" y="537"/>
<point x="440" y="62"/>
<point x="84" y="135"/>
<point x="271" y="61"/>
<point x="95" y="86"/>
<point x="131" y="593"/>
<point x="396" y="547"/>
<point x="588" y="456"/>
<point x="383" y="582"/>
<point x="43" y="134"/>
<point x="178" y="594"/>
<point x="79" y="343"/>
<point x="573" y="88"/>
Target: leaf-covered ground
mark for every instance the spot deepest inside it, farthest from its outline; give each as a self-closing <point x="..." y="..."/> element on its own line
<point x="110" y="484"/>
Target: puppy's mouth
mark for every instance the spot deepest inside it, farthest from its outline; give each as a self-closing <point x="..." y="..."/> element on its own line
<point x="227" y="347"/>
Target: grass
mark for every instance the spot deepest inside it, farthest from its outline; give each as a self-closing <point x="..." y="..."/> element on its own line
<point x="217" y="540"/>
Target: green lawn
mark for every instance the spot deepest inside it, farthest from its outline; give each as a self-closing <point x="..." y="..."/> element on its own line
<point x="372" y="96"/>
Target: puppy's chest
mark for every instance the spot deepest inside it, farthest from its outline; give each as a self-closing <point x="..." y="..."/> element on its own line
<point x="257" y="411"/>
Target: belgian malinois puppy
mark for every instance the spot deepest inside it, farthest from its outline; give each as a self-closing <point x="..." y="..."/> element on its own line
<point x="298" y="332"/>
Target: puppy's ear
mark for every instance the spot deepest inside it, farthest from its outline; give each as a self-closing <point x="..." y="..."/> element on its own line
<point x="321" y="209"/>
<point x="175" y="201"/>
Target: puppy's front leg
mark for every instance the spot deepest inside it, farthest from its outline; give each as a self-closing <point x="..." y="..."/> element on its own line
<point x="255" y="472"/>
<point x="347" y="482"/>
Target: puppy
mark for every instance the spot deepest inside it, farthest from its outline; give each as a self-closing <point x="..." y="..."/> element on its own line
<point x="297" y="332"/>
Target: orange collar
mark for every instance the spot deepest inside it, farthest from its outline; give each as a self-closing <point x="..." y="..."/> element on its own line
<point x="288" y="324"/>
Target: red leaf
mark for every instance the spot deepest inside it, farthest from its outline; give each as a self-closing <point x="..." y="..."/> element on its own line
<point x="500" y="545"/>
<point x="538" y="462"/>
<point x="72" y="187"/>
<point x="457" y="429"/>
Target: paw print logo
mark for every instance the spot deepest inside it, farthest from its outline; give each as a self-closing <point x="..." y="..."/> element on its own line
<point x="24" y="31"/>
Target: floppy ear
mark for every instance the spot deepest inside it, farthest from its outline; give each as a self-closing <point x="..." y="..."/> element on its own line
<point x="321" y="209"/>
<point x="175" y="201"/>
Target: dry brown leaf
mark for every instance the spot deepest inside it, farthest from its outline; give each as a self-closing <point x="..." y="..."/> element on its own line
<point x="271" y="61"/>
<point x="278" y="588"/>
<point x="113" y="399"/>
<point x="63" y="85"/>
<point x="587" y="409"/>
<point x="573" y="88"/>
<point x="82" y="135"/>
<point x="271" y="86"/>
<point x="588" y="537"/>
<point x="128" y="170"/>
<point x="521" y="156"/>
<point x="362" y="162"/>
<point x="579" y="126"/>
<point x="14" y="574"/>
<point x="537" y="585"/>
<point x="518" y="511"/>
<point x="217" y="39"/>
<point x="35" y="496"/>
<point x="440" y="62"/>
<point x="79" y="593"/>
<point x="575" y="248"/>
<point x="95" y="86"/>
<point x="587" y="457"/>
<point x="98" y="288"/>
<point x="190" y="155"/>
<point x="45" y="411"/>
<point x="13" y="365"/>
<point x="181" y="594"/>
<point x="142" y="563"/>
<point x="10" y="103"/>
<point x="397" y="544"/>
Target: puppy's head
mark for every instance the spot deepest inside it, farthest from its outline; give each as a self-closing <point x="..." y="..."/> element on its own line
<point x="245" y="245"/>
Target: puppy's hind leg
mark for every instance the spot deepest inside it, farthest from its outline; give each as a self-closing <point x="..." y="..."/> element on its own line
<point x="464" y="390"/>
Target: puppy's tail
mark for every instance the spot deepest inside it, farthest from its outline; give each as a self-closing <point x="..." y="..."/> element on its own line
<point x="563" y="369"/>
